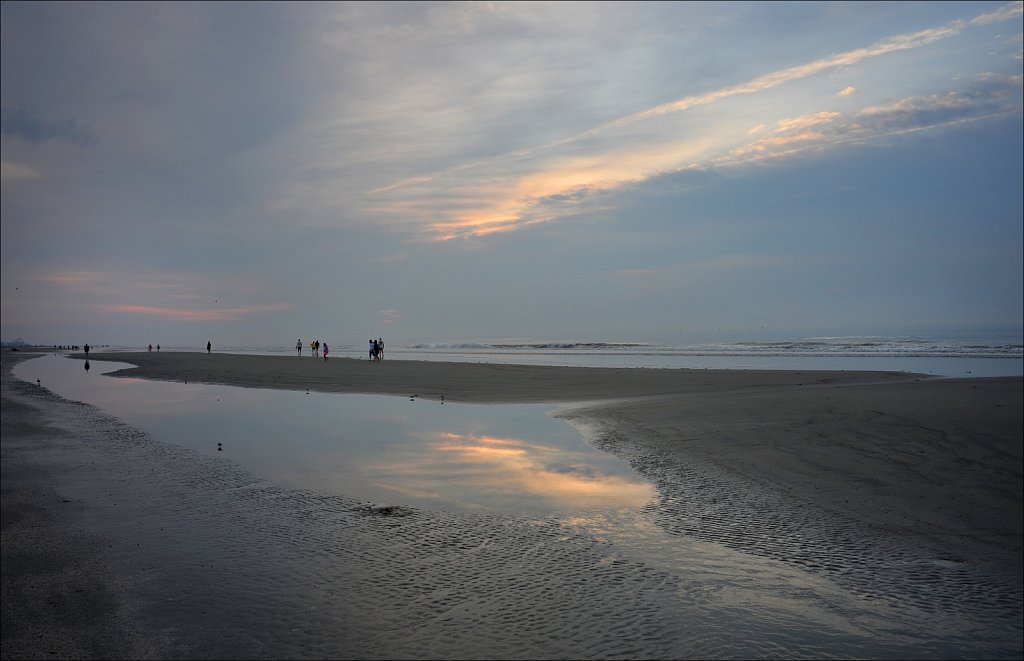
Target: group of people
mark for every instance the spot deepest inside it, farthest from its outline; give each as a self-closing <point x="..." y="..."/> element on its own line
<point x="314" y="347"/>
<point x="151" y="348"/>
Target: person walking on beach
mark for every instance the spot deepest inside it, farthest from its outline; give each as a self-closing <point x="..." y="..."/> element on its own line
<point x="316" y="348"/>
<point x="208" y="346"/>
<point x="87" y="351"/>
<point x="380" y="349"/>
<point x="373" y="349"/>
<point x="151" y="348"/>
<point x="326" y="351"/>
<point x="298" y="346"/>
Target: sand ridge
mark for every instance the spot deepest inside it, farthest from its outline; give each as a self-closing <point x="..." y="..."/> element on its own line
<point x="469" y="382"/>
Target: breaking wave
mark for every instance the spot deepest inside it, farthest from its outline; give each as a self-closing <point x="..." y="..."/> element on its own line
<point x="866" y="347"/>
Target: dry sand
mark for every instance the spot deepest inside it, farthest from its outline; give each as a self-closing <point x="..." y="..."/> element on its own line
<point x="896" y="500"/>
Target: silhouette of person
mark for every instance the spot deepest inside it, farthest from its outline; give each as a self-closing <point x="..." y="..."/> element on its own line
<point x="208" y="346"/>
<point x="87" y="352"/>
<point x="326" y="350"/>
<point x="298" y="346"/>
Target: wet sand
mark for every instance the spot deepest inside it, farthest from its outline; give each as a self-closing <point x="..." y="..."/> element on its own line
<point x="893" y="497"/>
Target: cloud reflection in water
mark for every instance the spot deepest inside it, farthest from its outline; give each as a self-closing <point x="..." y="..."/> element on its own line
<point x="498" y="458"/>
<point x="460" y="468"/>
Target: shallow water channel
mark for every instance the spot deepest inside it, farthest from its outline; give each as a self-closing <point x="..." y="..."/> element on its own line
<point x="384" y="449"/>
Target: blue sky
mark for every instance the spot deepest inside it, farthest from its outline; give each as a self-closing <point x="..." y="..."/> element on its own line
<point x="667" y="172"/>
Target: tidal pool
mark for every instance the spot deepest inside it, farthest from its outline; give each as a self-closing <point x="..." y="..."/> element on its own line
<point x="379" y="448"/>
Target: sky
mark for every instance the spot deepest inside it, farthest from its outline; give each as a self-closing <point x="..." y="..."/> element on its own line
<point x="252" y="173"/>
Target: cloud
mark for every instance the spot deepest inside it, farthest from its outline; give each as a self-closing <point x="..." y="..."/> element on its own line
<point x="389" y="316"/>
<point x="935" y="110"/>
<point x="800" y="123"/>
<point x="909" y="114"/>
<point x="15" y="171"/>
<point x="847" y="91"/>
<point x="919" y="104"/>
<point x="563" y="187"/>
<point x="781" y="77"/>
<point x="19" y="123"/>
<point x="774" y="144"/>
<point x="75" y="280"/>
<point x="1004" y="13"/>
<point x="176" y="296"/>
<point x="195" y="314"/>
<point x="537" y="184"/>
<point x="758" y="84"/>
<point x="998" y="86"/>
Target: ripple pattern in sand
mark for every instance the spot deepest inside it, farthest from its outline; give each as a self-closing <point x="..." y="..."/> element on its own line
<point x="947" y="605"/>
<point x="214" y="563"/>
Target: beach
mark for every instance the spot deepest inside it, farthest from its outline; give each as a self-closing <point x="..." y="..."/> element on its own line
<point x="872" y="501"/>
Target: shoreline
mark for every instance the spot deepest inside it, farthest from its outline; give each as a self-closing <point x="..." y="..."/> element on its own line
<point x="903" y="464"/>
<point x="932" y="365"/>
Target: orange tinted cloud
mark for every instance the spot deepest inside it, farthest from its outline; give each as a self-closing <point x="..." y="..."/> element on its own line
<point x="556" y="188"/>
<point x="799" y="123"/>
<point x="772" y="144"/>
<point x="13" y="171"/>
<point x="73" y="279"/>
<point x="553" y="187"/>
<point x="185" y="314"/>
